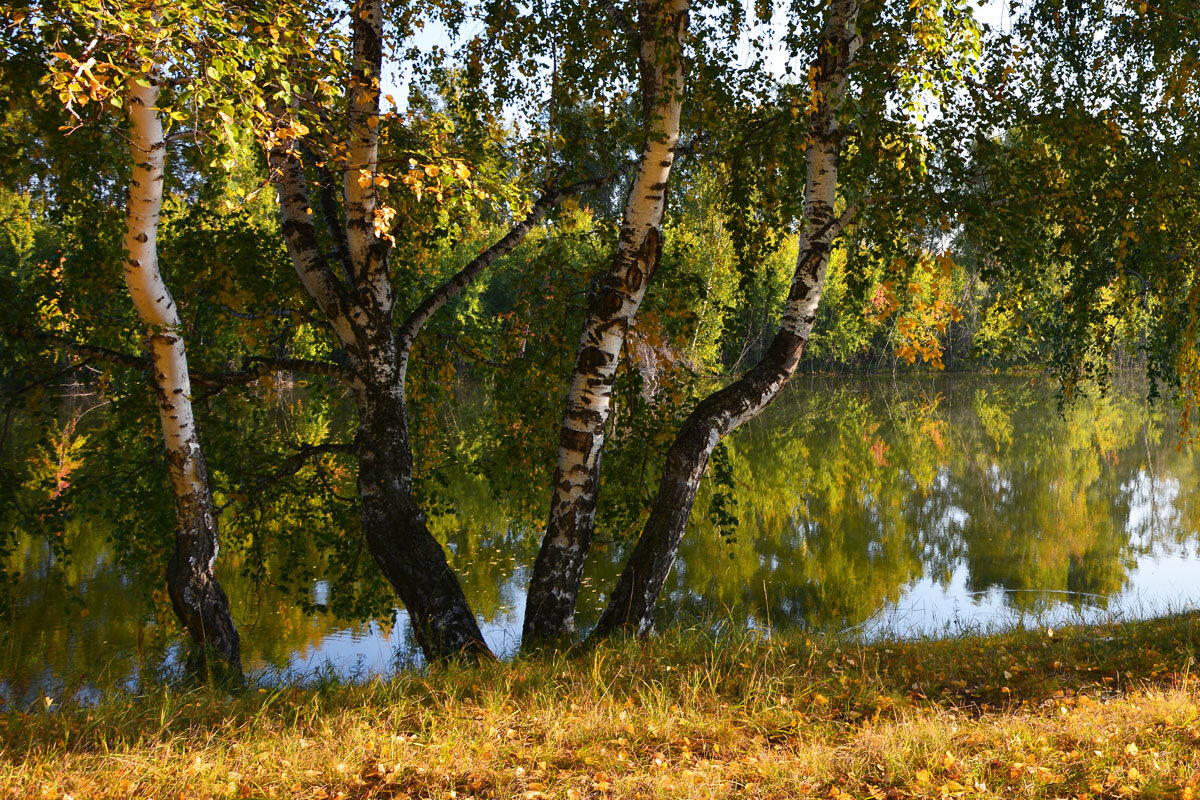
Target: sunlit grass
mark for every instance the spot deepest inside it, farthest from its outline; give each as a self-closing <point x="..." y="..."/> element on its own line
<point x="1105" y="711"/>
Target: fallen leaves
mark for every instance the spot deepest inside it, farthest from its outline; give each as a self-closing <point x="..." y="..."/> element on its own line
<point x="972" y="717"/>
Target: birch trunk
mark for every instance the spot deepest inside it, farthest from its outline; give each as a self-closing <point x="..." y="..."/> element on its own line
<point x="361" y="316"/>
<point x="554" y="584"/>
<point x="367" y="250"/>
<point x="195" y="592"/>
<point x="394" y="526"/>
<point x="393" y="521"/>
<point x="631" y="605"/>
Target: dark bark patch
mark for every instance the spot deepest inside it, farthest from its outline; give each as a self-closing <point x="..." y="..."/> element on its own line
<point x="650" y="250"/>
<point x="592" y="359"/>
<point x="633" y="280"/>
<point x="589" y="418"/>
<point x="578" y="441"/>
<point x="611" y="303"/>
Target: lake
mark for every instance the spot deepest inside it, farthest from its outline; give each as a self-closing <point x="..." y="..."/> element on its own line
<point x="869" y="507"/>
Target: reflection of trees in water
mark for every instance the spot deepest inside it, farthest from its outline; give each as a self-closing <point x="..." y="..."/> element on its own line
<point x="840" y="510"/>
<point x="847" y="492"/>
<point x="49" y="626"/>
<point x="90" y="623"/>
<point x="1045" y="510"/>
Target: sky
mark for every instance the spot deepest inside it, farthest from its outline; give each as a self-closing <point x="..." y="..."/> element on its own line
<point x="993" y="13"/>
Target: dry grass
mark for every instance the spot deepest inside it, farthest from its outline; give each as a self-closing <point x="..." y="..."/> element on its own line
<point x="1107" y="711"/>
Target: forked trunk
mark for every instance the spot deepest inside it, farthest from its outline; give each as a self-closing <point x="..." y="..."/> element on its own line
<point x="410" y="558"/>
<point x="192" y="584"/>
<point x="554" y="584"/>
<point x="631" y="605"/>
<point x="360" y="312"/>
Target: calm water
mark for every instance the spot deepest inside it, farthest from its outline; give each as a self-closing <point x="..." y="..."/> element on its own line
<point x="873" y="507"/>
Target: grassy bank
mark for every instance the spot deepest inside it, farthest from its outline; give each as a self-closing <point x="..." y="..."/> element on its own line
<point x="1108" y="711"/>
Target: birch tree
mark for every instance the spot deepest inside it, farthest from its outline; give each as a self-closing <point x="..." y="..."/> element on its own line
<point x="831" y="79"/>
<point x="123" y="60"/>
<point x="196" y="594"/>
<point x="354" y="290"/>
<point x="612" y="306"/>
<point x="645" y="572"/>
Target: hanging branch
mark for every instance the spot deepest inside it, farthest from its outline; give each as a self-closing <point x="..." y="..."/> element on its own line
<point x="253" y="367"/>
<point x="408" y="331"/>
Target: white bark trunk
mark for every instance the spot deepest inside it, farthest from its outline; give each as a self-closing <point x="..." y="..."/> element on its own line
<point x="360" y="313"/>
<point x="299" y="234"/>
<point x="631" y="604"/>
<point x="589" y="393"/>
<point x="192" y="584"/>
<point x="838" y="48"/>
<point x="549" y="609"/>
<point x="363" y="158"/>
<point x="149" y="292"/>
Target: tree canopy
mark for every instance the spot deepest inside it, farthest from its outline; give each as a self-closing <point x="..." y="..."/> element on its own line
<point x="619" y="228"/>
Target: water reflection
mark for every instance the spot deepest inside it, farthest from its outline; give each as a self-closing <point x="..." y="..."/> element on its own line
<point x="876" y="506"/>
<point x="868" y="498"/>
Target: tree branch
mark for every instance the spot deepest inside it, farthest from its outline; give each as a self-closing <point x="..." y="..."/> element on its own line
<point x="87" y="350"/>
<point x="180" y="135"/>
<point x="293" y="464"/>
<point x="255" y="367"/>
<point x="840" y="222"/>
<point x="299" y="232"/>
<point x="334" y="224"/>
<point x="67" y="370"/>
<point x="1166" y="12"/>
<point x="408" y="331"/>
<point x="471" y="354"/>
<point x="367" y="251"/>
<point x="618" y="17"/>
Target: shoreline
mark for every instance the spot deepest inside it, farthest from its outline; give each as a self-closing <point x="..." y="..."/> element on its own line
<point x="1100" y="711"/>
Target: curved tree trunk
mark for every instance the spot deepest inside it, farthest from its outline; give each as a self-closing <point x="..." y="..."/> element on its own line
<point x="631" y="605"/>
<point x="554" y="584"/>
<point x="195" y="593"/>
<point x="394" y="528"/>
<point x="409" y="556"/>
